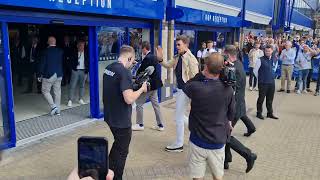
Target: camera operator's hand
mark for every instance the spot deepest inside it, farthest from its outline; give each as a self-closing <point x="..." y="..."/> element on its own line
<point x="159" y="53"/>
<point x="144" y="87"/>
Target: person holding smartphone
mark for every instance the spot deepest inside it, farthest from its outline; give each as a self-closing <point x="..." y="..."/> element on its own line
<point x="118" y="96"/>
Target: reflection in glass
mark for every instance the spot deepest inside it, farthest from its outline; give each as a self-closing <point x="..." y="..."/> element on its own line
<point x="4" y="120"/>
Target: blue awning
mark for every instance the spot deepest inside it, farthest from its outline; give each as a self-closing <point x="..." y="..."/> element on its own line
<point x="260" y="12"/>
<point x="301" y="20"/>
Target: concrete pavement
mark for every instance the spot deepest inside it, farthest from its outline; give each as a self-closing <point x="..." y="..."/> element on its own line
<point x="288" y="149"/>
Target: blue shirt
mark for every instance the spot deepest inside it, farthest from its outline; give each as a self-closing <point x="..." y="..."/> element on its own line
<point x="288" y="56"/>
<point x="203" y="144"/>
<point x="180" y="82"/>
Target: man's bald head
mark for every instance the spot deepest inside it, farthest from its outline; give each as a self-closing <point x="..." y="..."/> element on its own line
<point x="52" y="41"/>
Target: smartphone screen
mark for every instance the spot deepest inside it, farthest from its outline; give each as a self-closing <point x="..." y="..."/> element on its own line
<point x="93" y="157"/>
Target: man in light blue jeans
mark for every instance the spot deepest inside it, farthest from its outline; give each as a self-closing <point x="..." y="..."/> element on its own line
<point x="185" y="67"/>
<point x="80" y="67"/>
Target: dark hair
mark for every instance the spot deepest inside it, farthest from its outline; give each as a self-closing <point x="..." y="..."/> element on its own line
<point x="210" y="41"/>
<point x="231" y="49"/>
<point x="146" y="44"/>
<point x="203" y="42"/>
<point x="268" y="47"/>
<point x="183" y="38"/>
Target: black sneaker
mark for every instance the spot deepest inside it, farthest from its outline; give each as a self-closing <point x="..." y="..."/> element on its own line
<point x="174" y="149"/>
<point x="259" y="115"/>
<point x="288" y="91"/>
<point x="272" y="116"/>
<point x="281" y="90"/>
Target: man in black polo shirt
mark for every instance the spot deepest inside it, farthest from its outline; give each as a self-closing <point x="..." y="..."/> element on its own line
<point x="117" y="99"/>
<point x="212" y="109"/>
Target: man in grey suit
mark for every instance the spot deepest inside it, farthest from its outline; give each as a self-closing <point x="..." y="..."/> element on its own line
<point x="149" y="60"/>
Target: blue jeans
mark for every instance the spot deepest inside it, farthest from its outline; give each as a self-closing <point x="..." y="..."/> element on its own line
<point x="303" y="75"/>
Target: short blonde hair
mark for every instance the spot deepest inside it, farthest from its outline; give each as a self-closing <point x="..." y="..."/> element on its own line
<point x="125" y="50"/>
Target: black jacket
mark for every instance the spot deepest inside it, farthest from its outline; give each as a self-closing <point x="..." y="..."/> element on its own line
<point x="240" y="89"/>
<point x="36" y="53"/>
<point x="51" y="62"/>
<point x="75" y="62"/>
<point x="151" y="60"/>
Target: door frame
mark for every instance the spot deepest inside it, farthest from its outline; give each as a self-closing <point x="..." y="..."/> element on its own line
<point x="30" y="17"/>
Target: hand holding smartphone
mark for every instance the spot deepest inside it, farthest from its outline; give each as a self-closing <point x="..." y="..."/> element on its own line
<point x="93" y="157"/>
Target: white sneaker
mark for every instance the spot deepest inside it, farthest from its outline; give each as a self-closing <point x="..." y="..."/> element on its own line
<point x="251" y="88"/>
<point x="304" y="91"/>
<point x="298" y="92"/>
<point x="81" y="102"/>
<point x="69" y="103"/>
<point x="256" y="89"/>
<point x="53" y="111"/>
<point x="137" y="127"/>
<point x="158" y="128"/>
<point x="174" y="148"/>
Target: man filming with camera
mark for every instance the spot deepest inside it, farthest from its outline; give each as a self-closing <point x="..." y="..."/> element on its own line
<point x="118" y="95"/>
<point x="240" y="111"/>
<point x="212" y="109"/>
<point x="149" y="61"/>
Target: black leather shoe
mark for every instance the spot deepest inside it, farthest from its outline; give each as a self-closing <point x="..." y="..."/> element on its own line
<point x="272" y="116"/>
<point x="260" y="116"/>
<point x="249" y="133"/>
<point x="250" y="162"/>
<point x="226" y="165"/>
<point x="288" y="91"/>
<point x="281" y="90"/>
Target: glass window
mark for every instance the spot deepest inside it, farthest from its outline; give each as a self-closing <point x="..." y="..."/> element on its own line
<point x="137" y="36"/>
<point x="110" y="39"/>
<point x="4" y="117"/>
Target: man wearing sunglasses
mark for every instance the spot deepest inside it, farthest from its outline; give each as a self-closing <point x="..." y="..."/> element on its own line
<point x="185" y="67"/>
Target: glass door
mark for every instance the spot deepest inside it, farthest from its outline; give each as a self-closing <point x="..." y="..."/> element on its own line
<point x="6" y="138"/>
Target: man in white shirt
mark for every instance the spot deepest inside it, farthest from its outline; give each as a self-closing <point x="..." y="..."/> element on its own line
<point x="80" y="69"/>
<point x="210" y="49"/>
<point x="201" y="54"/>
<point x="287" y="56"/>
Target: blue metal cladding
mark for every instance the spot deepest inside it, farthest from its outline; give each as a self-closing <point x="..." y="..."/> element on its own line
<point x="149" y="9"/>
<point x="199" y="17"/>
<point x="301" y="19"/>
<point x="10" y="106"/>
<point x="264" y="7"/>
<point x="235" y="3"/>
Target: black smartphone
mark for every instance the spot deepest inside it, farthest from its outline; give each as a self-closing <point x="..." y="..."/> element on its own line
<point x="93" y="157"/>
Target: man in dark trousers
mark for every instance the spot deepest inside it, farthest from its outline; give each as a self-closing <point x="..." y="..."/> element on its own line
<point x="67" y="60"/>
<point x="265" y="74"/>
<point x="117" y="99"/>
<point x="231" y="52"/>
<point x="149" y="60"/>
<point x="51" y="73"/>
<point x="33" y="57"/>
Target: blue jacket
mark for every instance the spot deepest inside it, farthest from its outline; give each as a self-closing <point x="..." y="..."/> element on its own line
<point x="51" y="62"/>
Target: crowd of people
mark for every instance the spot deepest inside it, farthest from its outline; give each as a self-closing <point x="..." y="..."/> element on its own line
<point x="296" y="55"/>
<point x="215" y="106"/>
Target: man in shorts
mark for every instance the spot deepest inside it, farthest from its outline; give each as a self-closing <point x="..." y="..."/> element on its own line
<point x="212" y="108"/>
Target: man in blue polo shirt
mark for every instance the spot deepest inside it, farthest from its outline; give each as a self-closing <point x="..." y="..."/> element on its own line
<point x="212" y="109"/>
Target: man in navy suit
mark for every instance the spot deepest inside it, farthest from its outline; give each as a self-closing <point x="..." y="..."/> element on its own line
<point x="149" y="60"/>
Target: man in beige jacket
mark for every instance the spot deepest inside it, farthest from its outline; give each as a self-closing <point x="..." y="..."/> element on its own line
<point x="254" y="54"/>
<point x="185" y="66"/>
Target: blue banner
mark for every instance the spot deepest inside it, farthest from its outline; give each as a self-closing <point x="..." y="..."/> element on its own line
<point x="199" y="17"/>
<point x="150" y="9"/>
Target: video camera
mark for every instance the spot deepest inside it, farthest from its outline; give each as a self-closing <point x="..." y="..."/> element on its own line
<point x="228" y="74"/>
<point x="143" y="77"/>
